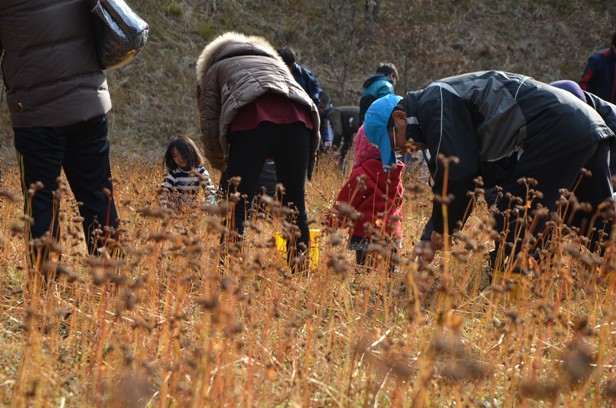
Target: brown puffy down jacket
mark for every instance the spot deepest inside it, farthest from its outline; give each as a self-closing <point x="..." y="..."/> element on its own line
<point x="50" y="68"/>
<point x="233" y="71"/>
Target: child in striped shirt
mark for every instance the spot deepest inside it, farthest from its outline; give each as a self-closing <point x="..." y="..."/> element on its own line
<point x="186" y="175"/>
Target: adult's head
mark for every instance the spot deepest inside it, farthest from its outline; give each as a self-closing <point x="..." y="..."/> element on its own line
<point x="324" y="99"/>
<point x="380" y="130"/>
<point x="287" y="55"/>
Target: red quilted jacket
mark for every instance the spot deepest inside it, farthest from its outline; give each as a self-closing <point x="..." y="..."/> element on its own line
<point x="376" y="195"/>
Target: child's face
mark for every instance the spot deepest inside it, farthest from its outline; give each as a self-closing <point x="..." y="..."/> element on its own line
<point x="179" y="159"/>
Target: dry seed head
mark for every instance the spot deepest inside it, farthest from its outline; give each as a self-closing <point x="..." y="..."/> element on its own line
<point x="610" y="388"/>
<point x="234" y="197"/>
<point x="444" y="160"/>
<point x="443" y="200"/>
<point x="9" y="196"/>
<point x="464" y="369"/>
<point x="234" y="181"/>
<point x="577" y="361"/>
<point x="540" y="390"/>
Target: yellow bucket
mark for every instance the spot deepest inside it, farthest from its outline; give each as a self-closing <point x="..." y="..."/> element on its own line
<point x="315" y="234"/>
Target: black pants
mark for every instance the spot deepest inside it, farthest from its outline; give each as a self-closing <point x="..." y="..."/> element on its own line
<point x="562" y="171"/>
<point x="82" y="150"/>
<point x="289" y="146"/>
<point x="267" y="179"/>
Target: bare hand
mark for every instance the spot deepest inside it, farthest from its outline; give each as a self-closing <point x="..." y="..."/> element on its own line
<point x="423" y="251"/>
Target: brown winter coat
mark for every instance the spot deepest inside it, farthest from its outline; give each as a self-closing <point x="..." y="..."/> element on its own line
<point x="50" y="68"/>
<point x="232" y="72"/>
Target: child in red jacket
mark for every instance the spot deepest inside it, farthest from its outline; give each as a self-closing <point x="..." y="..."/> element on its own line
<point x="375" y="198"/>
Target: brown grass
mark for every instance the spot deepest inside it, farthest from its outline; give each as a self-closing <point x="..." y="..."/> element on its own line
<point x="165" y="326"/>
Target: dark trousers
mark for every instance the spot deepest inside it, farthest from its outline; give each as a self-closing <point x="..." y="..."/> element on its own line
<point x="267" y="179"/>
<point x="289" y="146"/>
<point x="363" y="255"/>
<point x="82" y="150"/>
<point x="562" y="170"/>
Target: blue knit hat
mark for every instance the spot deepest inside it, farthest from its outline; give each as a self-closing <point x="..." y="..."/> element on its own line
<point x="375" y="126"/>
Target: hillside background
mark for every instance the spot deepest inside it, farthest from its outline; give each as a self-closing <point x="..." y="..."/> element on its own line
<point x="341" y="41"/>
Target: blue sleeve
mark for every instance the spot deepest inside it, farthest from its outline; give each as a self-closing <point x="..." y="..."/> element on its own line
<point x="326" y="133"/>
<point x="312" y="86"/>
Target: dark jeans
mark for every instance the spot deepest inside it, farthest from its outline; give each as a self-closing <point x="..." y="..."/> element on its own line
<point x="360" y="246"/>
<point x="267" y="179"/>
<point x="289" y="147"/>
<point x="82" y="150"/>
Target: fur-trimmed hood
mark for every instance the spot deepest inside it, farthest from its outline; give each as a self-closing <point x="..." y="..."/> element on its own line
<point x="215" y="50"/>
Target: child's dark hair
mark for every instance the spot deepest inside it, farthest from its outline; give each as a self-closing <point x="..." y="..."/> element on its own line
<point x="187" y="148"/>
<point x="387" y="68"/>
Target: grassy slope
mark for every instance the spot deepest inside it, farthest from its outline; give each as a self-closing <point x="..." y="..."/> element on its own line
<point x="154" y="96"/>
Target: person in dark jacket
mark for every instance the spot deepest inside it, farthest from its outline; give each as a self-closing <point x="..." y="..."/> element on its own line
<point x="302" y="75"/>
<point x="344" y="122"/>
<point x="377" y="85"/>
<point x="58" y="99"/>
<point x="599" y="76"/>
<point x="251" y="109"/>
<point x="503" y="127"/>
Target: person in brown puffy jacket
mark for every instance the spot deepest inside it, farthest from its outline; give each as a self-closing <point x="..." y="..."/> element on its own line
<point x="251" y="109"/>
<point x="58" y="100"/>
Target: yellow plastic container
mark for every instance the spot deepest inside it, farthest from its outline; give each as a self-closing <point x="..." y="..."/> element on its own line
<point x="315" y="235"/>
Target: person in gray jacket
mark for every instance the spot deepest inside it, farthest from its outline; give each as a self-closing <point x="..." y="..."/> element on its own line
<point x="58" y="100"/>
<point x="504" y="127"/>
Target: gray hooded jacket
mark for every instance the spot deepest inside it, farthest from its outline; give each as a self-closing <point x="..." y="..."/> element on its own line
<point x="232" y="72"/>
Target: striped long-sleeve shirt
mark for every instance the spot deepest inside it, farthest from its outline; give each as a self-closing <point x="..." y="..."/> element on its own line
<point x="181" y="187"/>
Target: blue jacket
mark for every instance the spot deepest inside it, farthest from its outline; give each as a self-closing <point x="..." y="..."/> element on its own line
<point x="307" y="81"/>
<point x="375" y="86"/>
<point x="599" y="77"/>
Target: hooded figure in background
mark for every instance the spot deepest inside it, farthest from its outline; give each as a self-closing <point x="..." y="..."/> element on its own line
<point x="252" y="109"/>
